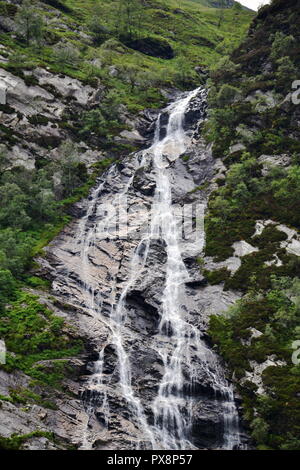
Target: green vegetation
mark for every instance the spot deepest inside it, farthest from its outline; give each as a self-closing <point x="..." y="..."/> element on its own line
<point x="33" y="334"/>
<point x="128" y="51"/>
<point x="250" y="117"/>
<point x="276" y="315"/>
<point x="32" y="210"/>
<point x="259" y="128"/>
<point x="29" y="23"/>
<point x="39" y="344"/>
<point x="233" y="209"/>
<point x="34" y="203"/>
<point x="104" y="121"/>
<point x="112" y="34"/>
<point x="25" y="396"/>
<point x="217" y="276"/>
<point x="15" y="441"/>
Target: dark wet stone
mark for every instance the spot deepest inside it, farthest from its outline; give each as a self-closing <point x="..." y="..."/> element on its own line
<point x="152" y="46"/>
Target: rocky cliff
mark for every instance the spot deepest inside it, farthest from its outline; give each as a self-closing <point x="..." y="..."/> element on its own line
<point x="73" y="91"/>
<point x="116" y="339"/>
<point x="93" y="276"/>
<point x="254" y="124"/>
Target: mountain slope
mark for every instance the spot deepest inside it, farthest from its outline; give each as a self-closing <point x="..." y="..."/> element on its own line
<point x="74" y="85"/>
<point x="254" y="128"/>
<point x="191" y="31"/>
<point x="216" y="3"/>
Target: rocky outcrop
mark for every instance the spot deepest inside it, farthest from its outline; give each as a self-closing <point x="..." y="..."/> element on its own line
<point x="42" y="110"/>
<point x="152" y="46"/>
<point x="90" y="267"/>
<point x="56" y="413"/>
<point x="34" y="115"/>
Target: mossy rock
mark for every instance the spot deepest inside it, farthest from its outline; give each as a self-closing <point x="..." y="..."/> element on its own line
<point x="7" y="9"/>
<point x="38" y="120"/>
<point x="15" y="441"/>
<point x="5" y="108"/>
<point x="216" y="277"/>
<point x="269" y="235"/>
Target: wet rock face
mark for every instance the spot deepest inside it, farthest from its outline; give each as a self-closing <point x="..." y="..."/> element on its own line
<point x="143" y="182"/>
<point x="91" y="265"/>
<point x="197" y="107"/>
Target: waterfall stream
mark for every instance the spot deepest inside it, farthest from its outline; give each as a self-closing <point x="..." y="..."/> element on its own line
<point x="164" y="419"/>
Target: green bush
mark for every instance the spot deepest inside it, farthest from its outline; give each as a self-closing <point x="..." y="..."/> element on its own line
<point x="216" y="277"/>
<point x="104" y="121"/>
<point x="276" y="314"/>
<point x="223" y="69"/>
<point x="7" y="288"/>
<point x="33" y="334"/>
<point x="227" y="95"/>
<point x="281" y="45"/>
<point x="286" y="73"/>
<point x="260" y="430"/>
<point x="29" y="23"/>
<point x="15" y="441"/>
<point x="66" y="55"/>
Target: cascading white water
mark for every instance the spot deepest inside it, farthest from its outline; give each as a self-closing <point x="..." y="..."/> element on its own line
<point x="170" y="423"/>
<point x="179" y="342"/>
<point x="86" y="238"/>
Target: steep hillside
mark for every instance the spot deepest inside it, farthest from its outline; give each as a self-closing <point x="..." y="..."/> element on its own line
<point x="191" y="35"/>
<point x="254" y="128"/>
<point x="81" y="83"/>
<point x="75" y="85"/>
<point x="72" y="94"/>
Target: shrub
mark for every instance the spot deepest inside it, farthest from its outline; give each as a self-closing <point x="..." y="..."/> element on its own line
<point x="218" y="276"/>
<point x="7" y="287"/>
<point x="227" y="95"/>
<point x="15" y="251"/>
<point x="223" y="69"/>
<point x="73" y="171"/>
<point x="287" y="72"/>
<point x="29" y="23"/>
<point x="260" y="430"/>
<point x="66" y="55"/>
<point x="99" y="32"/>
<point x="15" y="441"/>
<point x="104" y="121"/>
<point x="281" y="45"/>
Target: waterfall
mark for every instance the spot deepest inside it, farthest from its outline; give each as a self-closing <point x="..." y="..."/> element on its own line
<point x="167" y="421"/>
<point x="170" y="423"/>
